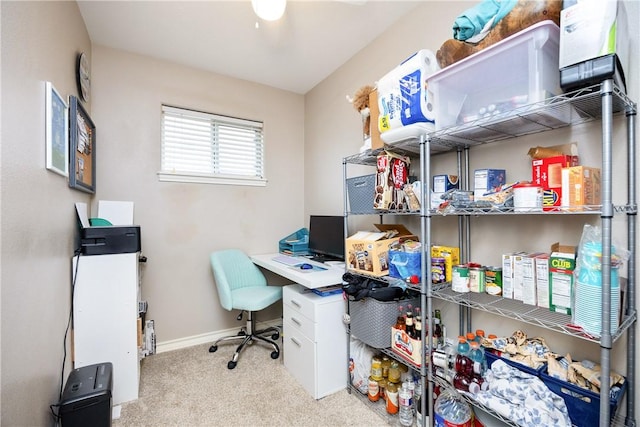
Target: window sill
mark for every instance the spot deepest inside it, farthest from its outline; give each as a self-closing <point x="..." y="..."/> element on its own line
<point x="208" y="179"/>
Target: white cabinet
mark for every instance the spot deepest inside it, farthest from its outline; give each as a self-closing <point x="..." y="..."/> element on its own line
<point x="105" y="314"/>
<point x="315" y="340"/>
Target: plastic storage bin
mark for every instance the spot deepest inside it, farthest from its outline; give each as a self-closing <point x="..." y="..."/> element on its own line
<point x="583" y="405"/>
<point x="516" y="71"/>
<point x="296" y="243"/>
<point x="361" y="192"/>
<point x="371" y="320"/>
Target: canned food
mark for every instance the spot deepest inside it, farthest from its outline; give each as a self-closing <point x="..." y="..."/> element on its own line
<point x="460" y="278"/>
<point x="438" y="270"/>
<point x="476" y="279"/>
<point x="493" y="280"/>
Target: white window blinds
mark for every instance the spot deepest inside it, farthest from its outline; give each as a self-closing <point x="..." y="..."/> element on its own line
<point x="203" y="147"/>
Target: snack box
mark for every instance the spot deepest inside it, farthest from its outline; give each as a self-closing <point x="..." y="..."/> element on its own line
<point x="561" y="281"/>
<point x="367" y="252"/>
<point x="580" y="187"/>
<point x="391" y="176"/>
<point x="547" y="173"/>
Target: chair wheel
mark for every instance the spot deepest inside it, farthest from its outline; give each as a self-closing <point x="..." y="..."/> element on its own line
<point x="213" y="348"/>
<point x="275" y="354"/>
<point x="242" y="333"/>
<point x="231" y="364"/>
<point x="275" y="336"/>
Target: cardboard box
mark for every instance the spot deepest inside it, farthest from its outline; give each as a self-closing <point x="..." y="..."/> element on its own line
<point x="529" y="290"/>
<point x="368" y="251"/>
<point x="542" y="280"/>
<point x="444" y="183"/>
<point x="451" y="255"/>
<point x="486" y="180"/>
<point x="547" y="173"/>
<point x="374" y="112"/>
<point x="580" y="187"/>
<point x="561" y="282"/>
<point x="405" y="346"/>
<point x="508" y="262"/>
<point x="392" y="174"/>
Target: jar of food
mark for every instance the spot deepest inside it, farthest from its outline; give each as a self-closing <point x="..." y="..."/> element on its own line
<point x="394" y="372"/>
<point x="386" y="363"/>
<point x="376" y="368"/>
<point x="374" y="390"/>
<point x="392" y="398"/>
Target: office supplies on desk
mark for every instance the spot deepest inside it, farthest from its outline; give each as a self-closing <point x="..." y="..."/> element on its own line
<point x="296" y="243"/>
<point x="287" y="260"/>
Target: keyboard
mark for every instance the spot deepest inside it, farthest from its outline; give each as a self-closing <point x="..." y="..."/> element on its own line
<point x="288" y="260"/>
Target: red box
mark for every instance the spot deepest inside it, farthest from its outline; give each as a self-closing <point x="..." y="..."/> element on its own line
<point x="548" y="174"/>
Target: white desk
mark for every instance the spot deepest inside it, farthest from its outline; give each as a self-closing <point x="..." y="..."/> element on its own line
<point x="314" y="336"/>
<point x="311" y="279"/>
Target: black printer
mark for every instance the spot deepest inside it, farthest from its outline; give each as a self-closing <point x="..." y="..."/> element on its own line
<point x="102" y="240"/>
<point x="86" y="400"/>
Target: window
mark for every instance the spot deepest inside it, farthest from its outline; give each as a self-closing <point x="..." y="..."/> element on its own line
<point x="208" y="148"/>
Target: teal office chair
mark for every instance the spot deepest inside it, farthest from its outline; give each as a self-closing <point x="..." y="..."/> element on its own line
<point x="242" y="286"/>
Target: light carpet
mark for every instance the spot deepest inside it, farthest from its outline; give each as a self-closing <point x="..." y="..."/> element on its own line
<point x="192" y="387"/>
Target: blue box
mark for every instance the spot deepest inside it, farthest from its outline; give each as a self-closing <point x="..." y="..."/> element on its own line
<point x="296" y="243"/>
<point x="485" y="180"/>
<point x="403" y="265"/>
<point x="444" y="183"/>
<point x="583" y="405"/>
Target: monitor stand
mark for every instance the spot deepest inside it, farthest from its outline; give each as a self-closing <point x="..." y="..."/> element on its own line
<point x="323" y="258"/>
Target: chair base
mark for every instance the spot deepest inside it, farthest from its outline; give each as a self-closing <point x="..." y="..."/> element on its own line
<point x="247" y="335"/>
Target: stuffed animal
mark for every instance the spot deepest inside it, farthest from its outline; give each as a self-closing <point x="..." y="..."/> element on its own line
<point x="360" y="102"/>
<point x="523" y="14"/>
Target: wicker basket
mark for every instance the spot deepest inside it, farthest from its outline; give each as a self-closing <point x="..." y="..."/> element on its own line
<point x="371" y="320"/>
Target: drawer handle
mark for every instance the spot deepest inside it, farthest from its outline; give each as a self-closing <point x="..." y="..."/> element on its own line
<point x="296" y="342"/>
<point x="296" y="321"/>
<point x="296" y="303"/>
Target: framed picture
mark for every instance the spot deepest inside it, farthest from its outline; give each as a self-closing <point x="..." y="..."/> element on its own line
<point x="57" y="131"/>
<point x="82" y="148"/>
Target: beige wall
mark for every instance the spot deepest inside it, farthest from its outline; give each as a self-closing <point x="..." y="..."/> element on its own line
<point x="306" y="139"/>
<point x="332" y="131"/>
<point x="182" y="223"/>
<point x="40" y="41"/>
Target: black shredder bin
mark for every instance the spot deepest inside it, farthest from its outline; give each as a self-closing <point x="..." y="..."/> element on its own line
<point x="86" y="400"/>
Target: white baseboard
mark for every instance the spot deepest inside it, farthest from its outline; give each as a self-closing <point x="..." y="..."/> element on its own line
<point x="185" y="342"/>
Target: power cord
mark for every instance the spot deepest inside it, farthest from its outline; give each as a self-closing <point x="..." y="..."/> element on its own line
<point x="56" y="415"/>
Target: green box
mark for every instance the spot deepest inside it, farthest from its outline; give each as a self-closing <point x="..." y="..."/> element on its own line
<point x="561" y="283"/>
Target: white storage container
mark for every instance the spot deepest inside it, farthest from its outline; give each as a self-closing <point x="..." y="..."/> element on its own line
<point x="521" y="69"/>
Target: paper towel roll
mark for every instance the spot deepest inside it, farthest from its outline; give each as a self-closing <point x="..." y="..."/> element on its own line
<point x="402" y="93"/>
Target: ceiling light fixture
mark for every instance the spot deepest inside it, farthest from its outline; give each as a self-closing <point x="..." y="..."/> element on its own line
<point x="269" y="10"/>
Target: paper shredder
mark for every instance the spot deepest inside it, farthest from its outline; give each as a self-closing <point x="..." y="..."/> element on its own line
<point x="87" y="397"/>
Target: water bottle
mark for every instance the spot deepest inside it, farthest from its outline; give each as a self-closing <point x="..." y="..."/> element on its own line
<point x="476" y="354"/>
<point x="450" y="409"/>
<point x="463" y="346"/>
<point x="406" y="406"/>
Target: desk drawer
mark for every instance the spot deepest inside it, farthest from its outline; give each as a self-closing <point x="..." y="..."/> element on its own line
<point x="299" y="358"/>
<point x="298" y="321"/>
<point x="307" y="303"/>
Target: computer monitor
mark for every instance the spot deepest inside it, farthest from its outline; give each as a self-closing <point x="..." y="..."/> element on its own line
<point x="326" y="237"/>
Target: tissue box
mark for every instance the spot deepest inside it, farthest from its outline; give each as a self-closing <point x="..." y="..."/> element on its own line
<point x="594" y="43"/>
<point x="518" y="70"/>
